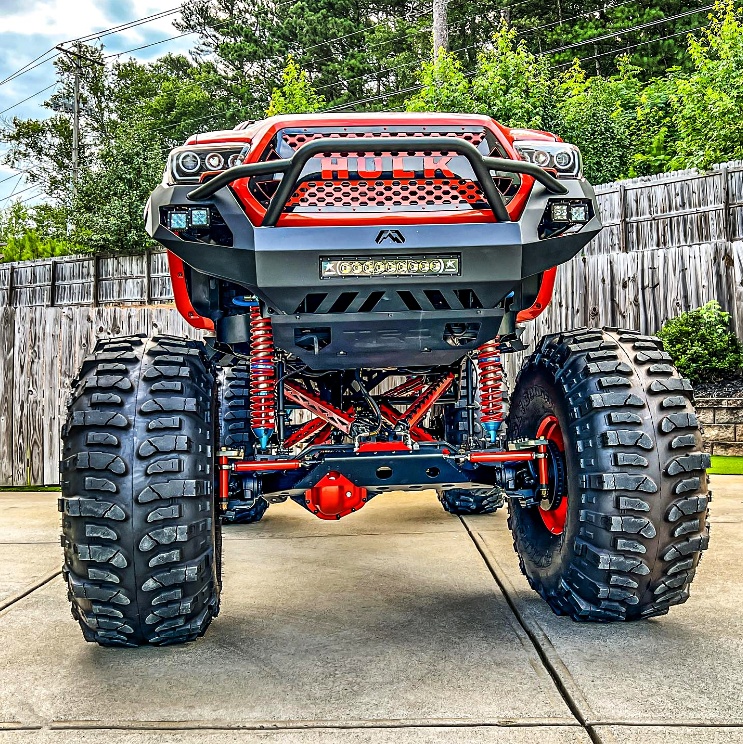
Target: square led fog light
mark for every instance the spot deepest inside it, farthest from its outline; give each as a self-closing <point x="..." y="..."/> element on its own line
<point x="200" y="217"/>
<point x="559" y="212"/>
<point x="177" y="220"/>
<point x="578" y="213"/>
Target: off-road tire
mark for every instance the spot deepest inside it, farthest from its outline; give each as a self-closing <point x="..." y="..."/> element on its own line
<point x="635" y="474"/>
<point x="234" y="408"/>
<point x="235" y="434"/>
<point x="463" y="501"/>
<point x="140" y="529"/>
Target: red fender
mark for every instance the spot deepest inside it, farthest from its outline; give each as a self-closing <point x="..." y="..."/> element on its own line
<point x="544" y="297"/>
<point x="182" y="300"/>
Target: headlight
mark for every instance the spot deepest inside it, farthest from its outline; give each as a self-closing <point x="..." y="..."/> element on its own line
<point x="186" y="164"/>
<point x="561" y="157"/>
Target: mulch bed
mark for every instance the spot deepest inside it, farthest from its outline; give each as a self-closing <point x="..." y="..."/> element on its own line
<point x="724" y="389"/>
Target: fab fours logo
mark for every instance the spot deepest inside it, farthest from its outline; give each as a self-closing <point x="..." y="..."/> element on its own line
<point x="392" y="236"/>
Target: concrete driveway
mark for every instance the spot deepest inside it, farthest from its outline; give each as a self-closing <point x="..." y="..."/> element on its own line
<point x="398" y="624"/>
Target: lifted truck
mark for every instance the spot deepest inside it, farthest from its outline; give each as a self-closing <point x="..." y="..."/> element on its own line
<point x="358" y="280"/>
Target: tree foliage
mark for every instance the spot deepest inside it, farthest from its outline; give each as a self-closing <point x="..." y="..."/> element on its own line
<point x="636" y="104"/>
<point x="512" y="84"/>
<point x="709" y="101"/>
<point x="32" y="233"/>
<point x="296" y="94"/>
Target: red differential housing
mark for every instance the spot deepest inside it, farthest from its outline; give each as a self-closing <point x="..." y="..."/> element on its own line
<point x="491" y="388"/>
<point x="262" y="377"/>
<point x="334" y="496"/>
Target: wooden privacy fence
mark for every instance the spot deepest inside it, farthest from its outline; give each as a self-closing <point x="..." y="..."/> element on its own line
<point x="51" y="314"/>
<point x="671" y="243"/>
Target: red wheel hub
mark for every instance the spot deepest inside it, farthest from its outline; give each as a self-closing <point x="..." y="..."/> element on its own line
<point x="555" y="514"/>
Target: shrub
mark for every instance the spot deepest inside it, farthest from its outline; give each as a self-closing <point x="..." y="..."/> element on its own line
<point x="702" y="345"/>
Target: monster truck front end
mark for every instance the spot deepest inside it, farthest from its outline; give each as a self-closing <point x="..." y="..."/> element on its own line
<point x="358" y="280"/>
<point x="333" y="255"/>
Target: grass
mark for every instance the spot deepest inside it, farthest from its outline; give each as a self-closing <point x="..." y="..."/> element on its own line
<point x="726" y="465"/>
<point x="34" y="489"/>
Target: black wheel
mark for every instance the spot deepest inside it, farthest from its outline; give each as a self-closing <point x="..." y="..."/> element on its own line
<point x="621" y="531"/>
<point x="471" y="501"/>
<point x="245" y="505"/>
<point x="139" y="529"/>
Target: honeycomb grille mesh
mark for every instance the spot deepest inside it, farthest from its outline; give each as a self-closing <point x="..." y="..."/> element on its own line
<point x="296" y="139"/>
<point x="417" y="193"/>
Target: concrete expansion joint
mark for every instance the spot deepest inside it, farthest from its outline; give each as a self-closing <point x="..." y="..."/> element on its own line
<point x="220" y="725"/>
<point x="29" y="589"/>
<point x="553" y="665"/>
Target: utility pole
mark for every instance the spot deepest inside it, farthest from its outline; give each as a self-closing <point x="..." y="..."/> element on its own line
<point x="440" y="28"/>
<point x="76" y="58"/>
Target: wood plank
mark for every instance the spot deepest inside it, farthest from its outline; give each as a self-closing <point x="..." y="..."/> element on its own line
<point x="53" y="414"/>
<point x="36" y="385"/>
<point x="7" y="409"/>
<point x="21" y="451"/>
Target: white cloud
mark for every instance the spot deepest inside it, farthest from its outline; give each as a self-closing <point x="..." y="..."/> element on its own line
<point x="62" y="19"/>
<point x="31" y="27"/>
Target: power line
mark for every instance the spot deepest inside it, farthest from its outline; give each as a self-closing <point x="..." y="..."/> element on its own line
<point x="383" y="96"/>
<point x="411" y="89"/>
<point x="13" y="175"/>
<point x="33" y="95"/>
<point x="656" y="22"/>
<point x="31" y="197"/>
<point x="125" y="26"/>
<point x="633" y="46"/>
<point x="15" y="193"/>
<point x="470" y="46"/>
<point x="27" y="67"/>
<point x="95" y="35"/>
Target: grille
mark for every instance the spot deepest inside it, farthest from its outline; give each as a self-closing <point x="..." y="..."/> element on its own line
<point x="295" y="140"/>
<point x="385" y="190"/>
<point x="387" y="193"/>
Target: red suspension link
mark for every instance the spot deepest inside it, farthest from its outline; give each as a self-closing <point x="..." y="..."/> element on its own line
<point x="491" y="387"/>
<point x="262" y="377"/>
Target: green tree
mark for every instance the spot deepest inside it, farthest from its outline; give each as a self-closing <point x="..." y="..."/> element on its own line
<point x="709" y="101"/>
<point x="513" y="85"/>
<point x="599" y="115"/>
<point x="22" y="236"/>
<point x="296" y="94"/>
<point x="110" y="197"/>
<point x="445" y="87"/>
<point x="132" y="114"/>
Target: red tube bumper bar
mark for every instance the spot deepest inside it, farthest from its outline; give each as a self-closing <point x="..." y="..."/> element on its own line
<point x="486" y="457"/>
<point x="264" y="466"/>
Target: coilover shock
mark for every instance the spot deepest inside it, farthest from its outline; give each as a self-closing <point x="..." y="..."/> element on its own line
<point x="262" y="377"/>
<point x="491" y="388"/>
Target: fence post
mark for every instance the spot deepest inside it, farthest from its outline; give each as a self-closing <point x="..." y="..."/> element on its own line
<point x="147" y="276"/>
<point x="95" y="281"/>
<point x="52" y="283"/>
<point x="623" y="218"/>
<point x="726" y="231"/>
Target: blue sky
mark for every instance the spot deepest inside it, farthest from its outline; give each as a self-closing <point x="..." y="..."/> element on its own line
<point x="28" y="28"/>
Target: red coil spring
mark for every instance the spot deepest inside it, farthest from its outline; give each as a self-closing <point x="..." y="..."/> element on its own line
<point x="491" y="385"/>
<point x="262" y="373"/>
